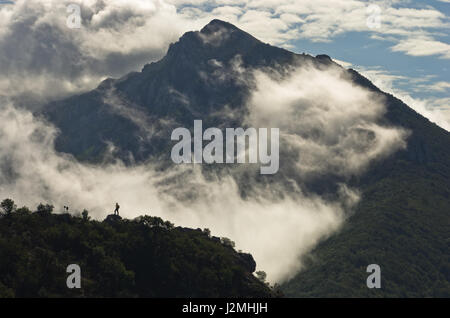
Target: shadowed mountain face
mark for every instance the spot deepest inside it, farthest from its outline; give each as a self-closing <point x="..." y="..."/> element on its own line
<point x="137" y="112"/>
<point x="402" y="221"/>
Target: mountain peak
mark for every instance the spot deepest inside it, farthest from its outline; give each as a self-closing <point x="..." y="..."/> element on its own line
<point x="218" y="39"/>
<point x="217" y="25"/>
<point x="221" y="32"/>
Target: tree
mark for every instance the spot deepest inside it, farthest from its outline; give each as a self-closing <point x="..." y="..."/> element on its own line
<point x="227" y="242"/>
<point x="45" y="208"/>
<point x="278" y="292"/>
<point x="85" y="215"/>
<point x="261" y="275"/>
<point x="117" y="259"/>
<point x="8" y="206"/>
<point x="23" y="210"/>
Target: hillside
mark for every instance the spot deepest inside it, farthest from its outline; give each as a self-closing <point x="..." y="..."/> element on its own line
<point x="401" y="223"/>
<point x="144" y="257"/>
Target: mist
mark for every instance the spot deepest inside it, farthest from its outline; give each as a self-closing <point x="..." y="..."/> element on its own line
<point x="328" y="121"/>
<point x="276" y="225"/>
<point x="328" y="126"/>
<point x="44" y="59"/>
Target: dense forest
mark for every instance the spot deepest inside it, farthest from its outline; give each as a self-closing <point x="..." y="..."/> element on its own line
<point x="402" y="224"/>
<point x="143" y="257"/>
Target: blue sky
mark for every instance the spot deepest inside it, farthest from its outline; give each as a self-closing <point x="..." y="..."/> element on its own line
<point x="366" y="53"/>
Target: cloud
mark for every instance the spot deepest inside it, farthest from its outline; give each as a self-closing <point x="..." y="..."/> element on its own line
<point x="436" y="110"/>
<point x="328" y="125"/>
<point x="423" y="46"/>
<point x="135" y="113"/>
<point x="276" y="232"/>
<point x="441" y="86"/>
<point x="324" y="119"/>
<point x="44" y="59"/>
<point x="320" y="20"/>
<point x="343" y="63"/>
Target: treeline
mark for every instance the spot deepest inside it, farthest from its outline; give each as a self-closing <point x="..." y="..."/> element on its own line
<point x="144" y="257"/>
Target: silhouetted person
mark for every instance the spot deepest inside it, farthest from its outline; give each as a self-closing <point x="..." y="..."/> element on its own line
<point x="117" y="209"/>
